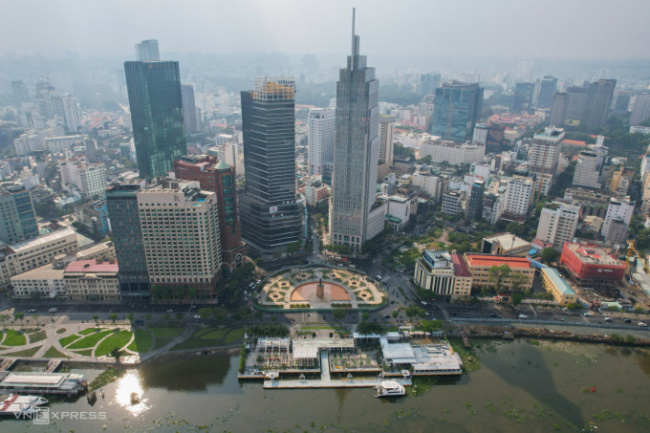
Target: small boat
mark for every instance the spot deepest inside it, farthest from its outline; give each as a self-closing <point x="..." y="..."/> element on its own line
<point x="390" y="388"/>
<point x="135" y="398"/>
<point x="18" y="409"/>
<point x="33" y="400"/>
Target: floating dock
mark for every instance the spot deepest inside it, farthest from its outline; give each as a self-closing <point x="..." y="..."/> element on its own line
<point x="69" y="384"/>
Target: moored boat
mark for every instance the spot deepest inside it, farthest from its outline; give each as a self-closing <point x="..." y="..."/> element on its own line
<point x="390" y="388"/>
<point x="33" y="400"/>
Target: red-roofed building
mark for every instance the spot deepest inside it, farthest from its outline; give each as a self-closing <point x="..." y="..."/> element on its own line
<point x="92" y="280"/>
<point x="574" y="143"/>
<point x="591" y="265"/>
<point x="463" y="278"/>
<point x="479" y="266"/>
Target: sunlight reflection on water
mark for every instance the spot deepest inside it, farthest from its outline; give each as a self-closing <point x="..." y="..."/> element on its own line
<point x="126" y="386"/>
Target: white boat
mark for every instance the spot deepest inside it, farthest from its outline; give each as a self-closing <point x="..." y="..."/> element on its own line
<point x="390" y="388"/>
<point x="33" y="400"/>
<point x="17" y="409"/>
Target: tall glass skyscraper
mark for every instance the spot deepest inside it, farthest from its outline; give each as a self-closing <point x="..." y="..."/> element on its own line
<point x="356" y="150"/>
<point x="157" y="115"/>
<point x="17" y="216"/>
<point x="271" y="218"/>
<point x="457" y="107"/>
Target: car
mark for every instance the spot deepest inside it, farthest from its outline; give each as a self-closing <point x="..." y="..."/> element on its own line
<point x="561" y="319"/>
<point x="197" y="316"/>
<point x="608" y="319"/>
<point x="52" y="310"/>
<point x="523" y="316"/>
<point x="387" y="316"/>
<point x="170" y="311"/>
<point x="627" y="320"/>
<point x="587" y="314"/>
<point x="139" y="322"/>
<point x="32" y="310"/>
<point x="424" y="303"/>
<point x="493" y="315"/>
<point x="392" y="302"/>
<point x="642" y="324"/>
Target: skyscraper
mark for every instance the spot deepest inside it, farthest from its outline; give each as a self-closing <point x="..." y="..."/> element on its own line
<point x="71" y="113"/>
<point x="271" y="217"/>
<point x="457" y="107"/>
<point x="356" y="151"/>
<point x="17" y="216"/>
<point x="154" y="89"/>
<point x="122" y="203"/>
<point x="147" y="50"/>
<point x="189" y="109"/>
<point x="386" y="146"/>
<point x="19" y="92"/>
<point x="640" y="110"/>
<point x="586" y="106"/>
<point x="599" y="99"/>
<point x="523" y="96"/>
<point x="544" y="153"/>
<point x="547" y="87"/>
<point x="428" y="83"/>
<point x="322" y="131"/>
<point x="475" y="209"/>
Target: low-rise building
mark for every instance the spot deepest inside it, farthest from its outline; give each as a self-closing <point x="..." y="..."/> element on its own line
<point x="505" y="244"/>
<point x="555" y="284"/>
<point x="45" y="282"/>
<point x="452" y="152"/>
<point x="591" y="265"/>
<point x="443" y="274"/>
<point x="479" y="266"/>
<point x="103" y="251"/>
<point x="92" y="280"/>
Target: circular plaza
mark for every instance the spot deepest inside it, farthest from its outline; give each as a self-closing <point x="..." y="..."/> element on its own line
<point x="320" y="287"/>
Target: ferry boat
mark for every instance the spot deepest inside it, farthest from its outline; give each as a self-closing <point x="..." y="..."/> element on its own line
<point x="390" y="388"/>
<point x="33" y="400"/>
<point x="17" y="409"/>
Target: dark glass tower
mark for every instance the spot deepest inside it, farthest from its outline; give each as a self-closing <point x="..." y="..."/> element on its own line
<point x="356" y="150"/>
<point x="523" y="96"/>
<point x="475" y="210"/>
<point x="457" y="107"/>
<point x="129" y="247"/>
<point x="547" y="88"/>
<point x="271" y="218"/>
<point x="17" y="216"/>
<point x="157" y="115"/>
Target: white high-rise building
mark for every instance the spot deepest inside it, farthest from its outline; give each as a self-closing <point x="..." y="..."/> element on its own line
<point x="322" y="133"/>
<point x="544" y="153"/>
<point x="619" y="208"/>
<point x="587" y="171"/>
<point x="386" y="146"/>
<point x="452" y="152"/>
<point x="557" y="224"/>
<point x="147" y="50"/>
<point x="71" y="113"/>
<point x="80" y="176"/>
<point x="519" y="195"/>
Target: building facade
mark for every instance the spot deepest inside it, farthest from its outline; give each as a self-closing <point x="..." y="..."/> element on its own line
<point x="17" y="215"/>
<point x="271" y="217"/>
<point x="189" y="109"/>
<point x="519" y="195"/>
<point x="619" y="208"/>
<point x="457" y="107"/>
<point x="322" y="133"/>
<point x="92" y="281"/>
<point x="147" y="50"/>
<point x="558" y="223"/>
<point x="452" y="152"/>
<point x="544" y="153"/>
<point x="154" y="89"/>
<point x="386" y="146"/>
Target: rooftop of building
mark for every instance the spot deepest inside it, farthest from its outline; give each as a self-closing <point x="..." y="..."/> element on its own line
<point x="460" y="267"/>
<point x="47" y="272"/>
<point x="575" y="143"/>
<point x="508" y="241"/>
<point x="592" y="254"/>
<point x="550" y="132"/>
<point x="437" y="259"/>
<point x="558" y="281"/>
<point x="488" y="260"/>
<point x="42" y="240"/>
<point x="92" y="266"/>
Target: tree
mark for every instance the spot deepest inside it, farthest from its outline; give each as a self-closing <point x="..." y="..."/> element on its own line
<point x="179" y="316"/>
<point x="96" y="318"/>
<point x="130" y="317"/>
<point x="497" y="274"/>
<point x="515" y="229"/>
<point x="518" y="280"/>
<point x="166" y="317"/>
<point x="19" y="316"/>
<point x="365" y="316"/>
<point x="395" y="314"/>
<point x="549" y="255"/>
<point x="113" y="317"/>
<point x="414" y="311"/>
<point x="340" y="314"/>
<point x="205" y="313"/>
<point x="431" y="325"/>
<point x="219" y="314"/>
<point x="367" y="328"/>
<point x="517" y="297"/>
<point x="147" y="317"/>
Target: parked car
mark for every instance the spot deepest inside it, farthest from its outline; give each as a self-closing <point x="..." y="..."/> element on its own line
<point x="608" y="319"/>
<point x="523" y="316"/>
<point x="587" y="314"/>
<point x="642" y="324"/>
<point x="627" y="320"/>
<point x="52" y="310"/>
<point x="170" y="311"/>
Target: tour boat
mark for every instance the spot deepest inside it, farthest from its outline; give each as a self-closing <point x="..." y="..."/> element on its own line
<point x="390" y="388"/>
<point x="33" y="400"/>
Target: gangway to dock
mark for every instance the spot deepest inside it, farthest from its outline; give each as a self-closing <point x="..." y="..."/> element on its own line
<point x="53" y="365"/>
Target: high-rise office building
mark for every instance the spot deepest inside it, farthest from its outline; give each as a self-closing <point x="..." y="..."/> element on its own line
<point x="519" y="195"/>
<point x="622" y="104"/>
<point x="586" y="106"/>
<point x="271" y="218"/>
<point x="71" y="113"/>
<point x="544" y="153"/>
<point x="218" y="177"/>
<point x="17" y="216"/>
<point x="599" y="100"/>
<point x="640" y="110"/>
<point x="122" y="203"/>
<point x="558" y="108"/>
<point x="457" y="107"/>
<point x="523" y="97"/>
<point x="19" y="92"/>
<point x="475" y="209"/>
<point x="322" y="132"/>
<point x="189" y="109"/>
<point x="618" y="209"/>
<point x="386" y="146"/>
<point x="589" y="167"/>
<point x="356" y="151"/>
<point x="147" y="50"/>
<point x="428" y="83"/>
<point x="547" y="87"/>
<point x="154" y="89"/>
<point x="557" y="224"/>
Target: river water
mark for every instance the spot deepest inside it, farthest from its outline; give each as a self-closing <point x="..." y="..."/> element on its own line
<point x="521" y="387"/>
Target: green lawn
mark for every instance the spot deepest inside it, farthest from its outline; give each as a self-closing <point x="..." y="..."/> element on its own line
<point x="61" y="330"/>
<point x="36" y="337"/>
<point x="90" y="341"/>
<point x="27" y="353"/>
<point x="69" y="339"/>
<point x="142" y="341"/>
<point x="213" y="334"/>
<point x="86" y="352"/>
<point x="234" y="336"/>
<point x="210" y="337"/>
<point x="89" y="331"/>
<point x="52" y="352"/>
<point x="164" y="335"/>
<point x="117" y="340"/>
<point x="14" y="338"/>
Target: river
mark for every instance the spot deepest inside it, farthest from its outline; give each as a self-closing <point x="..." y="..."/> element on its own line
<point x="521" y="386"/>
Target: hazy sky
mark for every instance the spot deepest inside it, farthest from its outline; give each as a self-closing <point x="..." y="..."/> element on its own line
<point x="577" y="29"/>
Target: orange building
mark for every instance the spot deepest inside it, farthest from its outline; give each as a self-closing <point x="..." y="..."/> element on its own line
<point x="479" y="266"/>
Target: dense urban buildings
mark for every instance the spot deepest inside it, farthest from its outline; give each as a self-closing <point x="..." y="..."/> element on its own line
<point x="154" y="89"/>
<point x="271" y="218"/>
<point x="452" y="152"/>
<point x="585" y="106"/>
<point x="590" y="265"/>
<point x="356" y="151"/>
<point x="456" y="110"/>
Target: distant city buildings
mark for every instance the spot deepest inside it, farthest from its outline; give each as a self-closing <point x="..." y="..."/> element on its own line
<point x="452" y="152"/>
<point x="544" y="153"/>
<point x="586" y="106"/>
<point x="79" y="176"/>
<point x="457" y="107"/>
<point x="519" y="196"/>
<point x="192" y="123"/>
